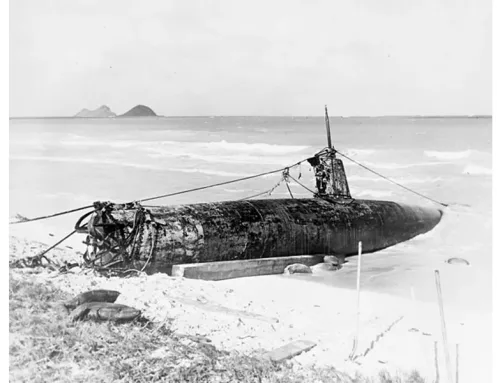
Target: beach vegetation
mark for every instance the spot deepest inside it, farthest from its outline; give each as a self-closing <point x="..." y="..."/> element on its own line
<point x="45" y="346"/>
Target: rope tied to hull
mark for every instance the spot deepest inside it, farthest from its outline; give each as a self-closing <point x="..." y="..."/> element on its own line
<point x="222" y="183"/>
<point x="97" y="205"/>
<point x="116" y="240"/>
<point x="36" y="260"/>
<point x="301" y="184"/>
<point x="265" y="192"/>
<point x="153" y="246"/>
<point x="392" y="181"/>
<point x="26" y="220"/>
<point x="286" y="176"/>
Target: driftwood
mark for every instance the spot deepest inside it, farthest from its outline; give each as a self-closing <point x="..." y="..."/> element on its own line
<point x="98" y="305"/>
<point x="290" y="350"/>
<point x="104" y="311"/>
<point x="92" y="296"/>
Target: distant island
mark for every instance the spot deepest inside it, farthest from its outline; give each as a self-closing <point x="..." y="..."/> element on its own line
<point x="139" y="111"/>
<point x="105" y="112"/>
<point x="101" y="112"/>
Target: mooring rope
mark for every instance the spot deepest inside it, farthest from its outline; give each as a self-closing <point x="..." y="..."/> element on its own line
<point x="301" y="184"/>
<point x="284" y="169"/>
<point x="55" y="244"/>
<point x="221" y="183"/>
<point x="392" y="181"/>
<point x="36" y="260"/>
<point x="164" y="195"/>
<point x="50" y="216"/>
<point x="286" y="176"/>
<point x="268" y="192"/>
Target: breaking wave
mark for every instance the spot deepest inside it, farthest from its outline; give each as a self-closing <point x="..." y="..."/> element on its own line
<point x="212" y="152"/>
<point x="356" y="178"/>
<point x="448" y="155"/>
<point x="190" y="146"/>
<point x="131" y="165"/>
<point x="381" y="165"/>
<point x="229" y="152"/>
<point x="219" y="156"/>
<point x="477" y="170"/>
<point x="360" y="152"/>
<point x="372" y="193"/>
<point x="232" y="159"/>
<point x="209" y="172"/>
<point x="93" y="161"/>
<point x="235" y="147"/>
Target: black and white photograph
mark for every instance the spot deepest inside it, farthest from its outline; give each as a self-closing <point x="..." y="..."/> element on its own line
<point x="250" y="191"/>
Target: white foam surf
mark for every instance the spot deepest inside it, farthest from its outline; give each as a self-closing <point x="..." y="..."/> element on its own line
<point x="94" y="161"/>
<point x="209" y="172"/>
<point x="372" y="193"/>
<point x="229" y="152"/>
<point x="477" y="170"/>
<point x="195" y="146"/>
<point x="446" y="156"/>
<point x="391" y="166"/>
<point x="230" y="159"/>
<point x="238" y="147"/>
<point x="356" y="178"/>
<point x="360" y="152"/>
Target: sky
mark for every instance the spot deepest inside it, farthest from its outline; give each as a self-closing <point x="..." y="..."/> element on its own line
<point x="252" y="57"/>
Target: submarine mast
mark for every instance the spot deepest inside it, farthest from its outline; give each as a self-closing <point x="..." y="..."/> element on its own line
<point x="331" y="180"/>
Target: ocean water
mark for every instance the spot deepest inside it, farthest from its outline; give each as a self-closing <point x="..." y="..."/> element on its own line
<point x="58" y="164"/>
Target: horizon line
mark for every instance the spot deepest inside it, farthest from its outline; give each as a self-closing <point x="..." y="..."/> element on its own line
<point x="275" y="116"/>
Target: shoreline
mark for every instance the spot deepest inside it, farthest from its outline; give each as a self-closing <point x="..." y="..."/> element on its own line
<point x="256" y="314"/>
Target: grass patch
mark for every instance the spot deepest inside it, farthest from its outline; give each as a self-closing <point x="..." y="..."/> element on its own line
<point x="45" y="346"/>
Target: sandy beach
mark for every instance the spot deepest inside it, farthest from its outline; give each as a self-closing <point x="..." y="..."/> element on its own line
<point x="258" y="314"/>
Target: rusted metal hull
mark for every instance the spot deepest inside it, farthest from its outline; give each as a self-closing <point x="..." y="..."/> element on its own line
<point x="235" y="230"/>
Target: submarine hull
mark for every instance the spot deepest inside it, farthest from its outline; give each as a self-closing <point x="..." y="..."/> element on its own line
<point x="165" y="235"/>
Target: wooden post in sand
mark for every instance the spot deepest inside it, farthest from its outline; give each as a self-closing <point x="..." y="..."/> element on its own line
<point x="358" y="311"/>
<point x="456" y="366"/>
<point x="436" y="364"/>
<point x="443" y="328"/>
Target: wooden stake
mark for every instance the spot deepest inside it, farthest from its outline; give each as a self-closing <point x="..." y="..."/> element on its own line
<point x="443" y="328"/>
<point x="436" y="364"/>
<point x="358" y="288"/>
<point x="456" y="364"/>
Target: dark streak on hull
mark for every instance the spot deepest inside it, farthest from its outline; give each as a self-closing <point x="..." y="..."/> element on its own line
<point x="236" y="230"/>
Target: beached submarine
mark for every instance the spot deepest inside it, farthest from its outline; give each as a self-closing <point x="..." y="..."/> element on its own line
<point x="332" y="223"/>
